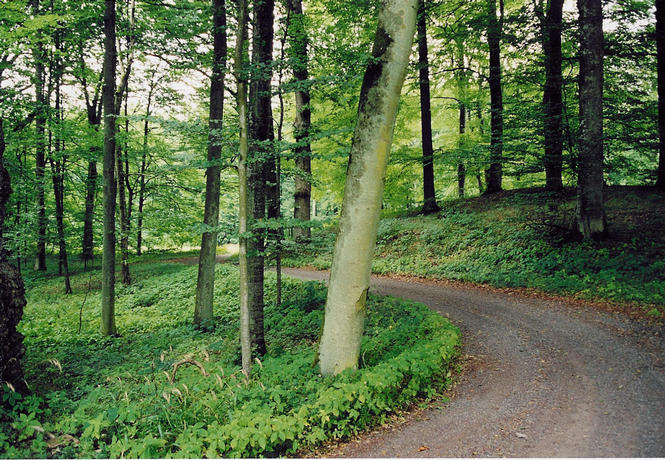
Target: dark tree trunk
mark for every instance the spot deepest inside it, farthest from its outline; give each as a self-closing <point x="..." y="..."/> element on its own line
<point x="108" y="98"/>
<point x="40" y="156"/>
<point x="494" y="32"/>
<point x="12" y="293"/>
<point x="552" y="96"/>
<point x="123" y="205"/>
<point x="590" y="207"/>
<point x="461" y="170"/>
<point x="90" y="191"/>
<point x="58" y="174"/>
<point x="261" y="159"/>
<point x="429" y="195"/>
<point x="303" y="151"/>
<point x="205" y="285"/>
<point x="660" y="46"/>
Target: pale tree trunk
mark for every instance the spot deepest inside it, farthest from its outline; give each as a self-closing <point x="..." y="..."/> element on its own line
<point x="244" y="211"/>
<point x="108" y="98"/>
<point x="205" y="284"/>
<point x="429" y="195"/>
<point x="590" y="206"/>
<point x="494" y="32"/>
<point x="303" y="151"/>
<point x="144" y="165"/>
<point x="359" y="219"/>
<point x="660" y="47"/>
<point x="552" y="100"/>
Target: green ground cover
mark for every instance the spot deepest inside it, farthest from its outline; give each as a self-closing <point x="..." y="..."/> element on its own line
<point x="128" y="396"/>
<point x="521" y="238"/>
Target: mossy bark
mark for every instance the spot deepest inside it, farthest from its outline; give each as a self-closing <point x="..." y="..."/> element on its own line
<point x="379" y="98"/>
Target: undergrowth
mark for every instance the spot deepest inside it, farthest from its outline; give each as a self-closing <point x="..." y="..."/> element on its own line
<point x="166" y="389"/>
<point x="525" y="239"/>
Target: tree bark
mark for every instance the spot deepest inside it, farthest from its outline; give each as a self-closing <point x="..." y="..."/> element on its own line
<point x="552" y="99"/>
<point x="123" y="205"/>
<point x="261" y="161"/>
<point x="359" y="219"/>
<point x="494" y="32"/>
<point x="302" y="125"/>
<point x="660" y="47"/>
<point x="590" y="206"/>
<point x="40" y="148"/>
<point x="108" y="98"/>
<point x="429" y="195"/>
<point x="461" y="90"/>
<point x="206" y="277"/>
<point x="244" y="209"/>
<point x="144" y="163"/>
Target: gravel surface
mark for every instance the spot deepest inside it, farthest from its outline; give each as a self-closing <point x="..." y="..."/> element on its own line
<point x="547" y="379"/>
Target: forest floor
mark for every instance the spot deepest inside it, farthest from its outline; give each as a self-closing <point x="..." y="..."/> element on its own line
<point x="544" y="377"/>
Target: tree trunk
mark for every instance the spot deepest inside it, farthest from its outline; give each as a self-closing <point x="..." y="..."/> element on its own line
<point x="12" y="292"/>
<point x="244" y="211"/>
<point x="461" y="94"/>
<point x="552" y="96"/>
<point x="124" y="213"/>
<point x="205" y="285"/>
<point x="590" y="207"/>
<point x="58" y="173"/>
<point x="40" y="156"/>
<point x="108" y="98"/>
<point x="429" y="195"/>
<point x="90" y="191"/>
<point x="303" y="151"/>
<point x="144" y="160"/>
<point x="261" y="160"/>
<point x="359" y="219"/>
<point x="660" y="46"/>
<point x="494" y="32"/>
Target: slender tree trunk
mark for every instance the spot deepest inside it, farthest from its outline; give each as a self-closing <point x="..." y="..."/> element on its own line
<point x="205" y="285"/>
<point x="303" y="121"/>
<point x="12" y="292"/>
<point x="359" y="219"/>
<point x="660" y="47"/>
<point x="461" y="91"/>
<point x="429" y="195"/>
<point x="58" y="174"/>
<point x="144" y="160"/>
<point x="494" y="33"/>
<point x="590" y="206"/>
<point x="90" y="191"/>
<point x="552" y="100"/>
<point x="124" y="215"/>
<point x="40" y="156"/>
<point x="261" y="161"/>
<point x="461" y="170"/>
<point x="108" y="97"/>
<point x="244" y="211"/>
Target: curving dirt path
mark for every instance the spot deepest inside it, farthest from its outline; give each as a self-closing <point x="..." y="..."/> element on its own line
<point x="548" y="380"/>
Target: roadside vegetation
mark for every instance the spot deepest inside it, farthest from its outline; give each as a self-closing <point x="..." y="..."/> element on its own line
<point x="164" y="388"/>
<point x="525" y="238"/>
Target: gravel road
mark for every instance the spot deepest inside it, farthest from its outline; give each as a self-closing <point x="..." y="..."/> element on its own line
<point x="547" y="379"/>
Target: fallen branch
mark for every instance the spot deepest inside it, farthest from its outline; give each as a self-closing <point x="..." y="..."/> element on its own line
<point x="191" y="361"/>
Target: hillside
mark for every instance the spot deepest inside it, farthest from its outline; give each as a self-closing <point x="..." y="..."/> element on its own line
<point x="522" y="239"/>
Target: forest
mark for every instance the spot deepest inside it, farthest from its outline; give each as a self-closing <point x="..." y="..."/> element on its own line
<point x="169" y="167"/>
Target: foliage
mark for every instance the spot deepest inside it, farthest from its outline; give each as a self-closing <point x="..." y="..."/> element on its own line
<point x="509" y="241"/>
<point x="128" y="396"/>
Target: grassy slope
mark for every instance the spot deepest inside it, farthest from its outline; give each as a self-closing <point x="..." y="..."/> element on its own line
<point x="519" y="238"/>
<point x="110" y="397"/>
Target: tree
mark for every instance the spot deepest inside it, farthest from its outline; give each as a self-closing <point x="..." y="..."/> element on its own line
<point x="553" y="105"/>
<point x="108" y="98"/>
<point x="494" y="32"/>
<point x="660" y="46"/>
<point x="207" y="258"/>
<point x="590" y="207"/>
<point x="41" y="110"/>
<point x="303" y="151"/>
<point x="429" y="196"/>
<point x="244" y="209"/>
<point x="379" y="97"/>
